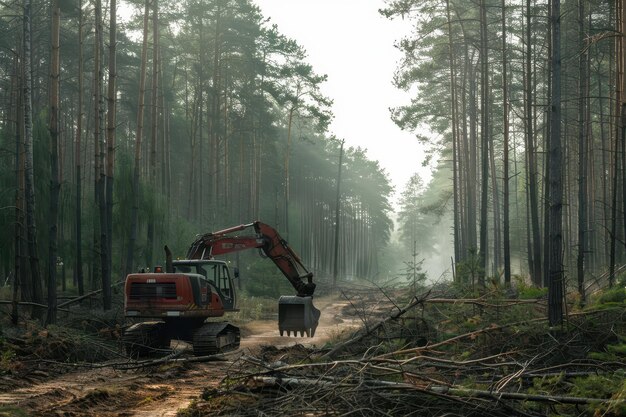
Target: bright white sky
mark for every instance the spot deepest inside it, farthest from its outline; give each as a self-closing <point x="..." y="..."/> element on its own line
<point x="349" y="41"/>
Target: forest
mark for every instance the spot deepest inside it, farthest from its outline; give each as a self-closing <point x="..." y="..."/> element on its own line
<point x="126" y="126"/>
<point x="525" y="102"/>
<point x="188" y="118"/>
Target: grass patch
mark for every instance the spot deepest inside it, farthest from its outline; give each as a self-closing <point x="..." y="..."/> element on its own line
<point x="255" y="308"/>
<point x="10" y="411"/>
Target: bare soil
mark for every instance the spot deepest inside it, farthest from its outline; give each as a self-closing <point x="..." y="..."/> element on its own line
<point x="156" y="391"/>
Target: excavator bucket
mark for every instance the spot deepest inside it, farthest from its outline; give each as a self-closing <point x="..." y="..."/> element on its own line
<point x="297" y="314"/>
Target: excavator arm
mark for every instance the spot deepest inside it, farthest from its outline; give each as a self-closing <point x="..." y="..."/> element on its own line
<point x="295" y="313"/>
<point x="267" y="239"/>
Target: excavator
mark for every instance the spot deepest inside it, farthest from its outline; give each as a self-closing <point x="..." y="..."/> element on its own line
<point x="177" y="303"/>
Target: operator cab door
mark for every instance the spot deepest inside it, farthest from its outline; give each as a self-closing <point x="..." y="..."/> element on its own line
<point x="224" y="283"/>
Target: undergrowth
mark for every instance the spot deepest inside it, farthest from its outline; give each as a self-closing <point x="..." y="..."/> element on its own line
<point x="255" y="308"/>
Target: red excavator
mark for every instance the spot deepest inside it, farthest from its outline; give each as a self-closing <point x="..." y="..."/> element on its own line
<point x="176" y="303"/>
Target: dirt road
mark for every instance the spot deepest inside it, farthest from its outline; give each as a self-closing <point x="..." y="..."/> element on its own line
<point x="158" y="391"/>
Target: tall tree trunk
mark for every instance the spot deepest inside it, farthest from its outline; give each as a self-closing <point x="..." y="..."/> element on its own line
<point x="468" y="231"/>
<point x="100" y="175"/>
<point x="582" y="154"/>
<point x="153" y="129"/>
<point x="55" y="184"/>
<point x="546" y="146"/>
<point x="473" y="165"/>
<point x="497" y="216"/>
<point x="29" y="181"/>
<point x="337" y="217"/>
<point x="20" y="283"/>
<point x="78" y="266"/>
<point x="484" y="130"/>
<point x="214" y="117"/>
<point x="110" y="163"/>
<point x="505" y="156"/>
<point x="621" y="114"/>
<point x="130" y="254"/>
<point x="604" y="169"/>
<point x="287" y="158"/>
<point x="532" y="164"/>
<point x="165" y="138"/>
<point x="556" y="275"/>
<point x="619" y="92"/>
<point x="455" y="150"/>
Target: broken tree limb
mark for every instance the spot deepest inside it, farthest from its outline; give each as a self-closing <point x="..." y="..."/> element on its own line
<point x="478" y="302"/>
<point x="130" y="364"/>
<point x="466" y="392"/>
<point x="82" y="297"/>
<point x="475" y="333"/>
<point x="30" y="304"/>
<point x="456" y="338"/>
<point x="342" y="346"/>
<point x="63" y="304"/>
<point x="438" y="389"/>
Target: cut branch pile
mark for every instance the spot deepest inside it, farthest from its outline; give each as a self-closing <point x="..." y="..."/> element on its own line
<point x="519" y="368"/>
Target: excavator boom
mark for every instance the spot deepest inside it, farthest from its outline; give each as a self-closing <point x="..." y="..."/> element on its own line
<point x="295" y="313"/>
<point x="267" y="239"/>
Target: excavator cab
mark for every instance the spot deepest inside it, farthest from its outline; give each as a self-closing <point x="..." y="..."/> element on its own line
<point x="218" y="274"/>
<point x="297" y="314"/>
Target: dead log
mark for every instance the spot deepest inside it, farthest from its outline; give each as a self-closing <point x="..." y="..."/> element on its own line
<point x="291" y="381"/>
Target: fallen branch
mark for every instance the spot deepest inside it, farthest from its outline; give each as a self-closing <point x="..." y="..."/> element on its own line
<point x="477" y="301"/>
<point x="31" y="304"/>
<point x="465" y="392"/>
<point x="438" y="389"/>
<point x="342" y="346"/>
<point x="134" y="364"/>
<point x="475" y="333"/>
<point x="60" y="306"/>
<point x="82" y="297"/>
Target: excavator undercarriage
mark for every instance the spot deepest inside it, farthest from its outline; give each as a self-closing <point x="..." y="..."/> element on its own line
<point x="154" y="337"/>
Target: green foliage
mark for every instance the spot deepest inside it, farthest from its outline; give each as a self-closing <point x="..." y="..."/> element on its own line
<point x="227" y="139"/>
<point x="605" y="386"/>
<point x="612" y="352"/>
<point x="613" y="296"/>
<point x="602" y="386"/>
<point x="6" y="292"/>
<point x="414" y="275"/>
<point x="547" y="385"/>
<point x="424" y="219"/>
<point x="621" y="280"/>
<point x="526" y="292"/>
<point x="597" y="386"/>
<point x="7" y="357"/>
<point x="255" y="308"/>
<point x="263" y="279"/>
<point x="12" y="411"/>
<point x="468" y="270"/>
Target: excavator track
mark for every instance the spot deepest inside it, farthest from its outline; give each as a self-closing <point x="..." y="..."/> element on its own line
<point x="145" y="338"/>
<point x="213" y="338"/>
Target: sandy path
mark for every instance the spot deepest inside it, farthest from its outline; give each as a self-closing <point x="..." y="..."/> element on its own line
<point x="158" y="392"/>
